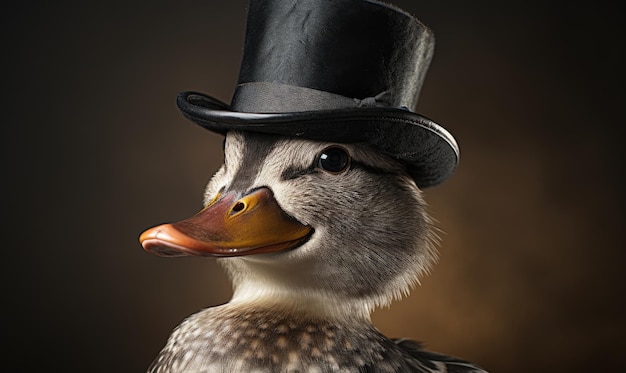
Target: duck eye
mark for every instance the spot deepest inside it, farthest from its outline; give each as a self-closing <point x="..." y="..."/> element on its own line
<point x="334" y="159"/>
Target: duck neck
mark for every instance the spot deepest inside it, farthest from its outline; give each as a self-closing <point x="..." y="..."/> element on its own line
<point x="305" y="304"/>
<point x="292" y="288"/>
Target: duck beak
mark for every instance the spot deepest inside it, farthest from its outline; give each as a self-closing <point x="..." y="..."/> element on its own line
<point x="229" y="226"/>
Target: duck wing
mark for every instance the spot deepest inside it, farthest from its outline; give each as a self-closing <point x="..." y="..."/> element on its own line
<point x="433" y="362"/>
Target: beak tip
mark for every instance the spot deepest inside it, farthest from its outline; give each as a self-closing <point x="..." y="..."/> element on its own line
<point x="152" y="243"/>
<point x="146" y="236"/>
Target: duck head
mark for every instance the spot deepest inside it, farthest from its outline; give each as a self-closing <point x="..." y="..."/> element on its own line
<point x="327" y="227"/>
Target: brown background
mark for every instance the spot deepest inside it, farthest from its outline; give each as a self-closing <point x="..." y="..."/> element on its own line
<point x="531" y="276"/>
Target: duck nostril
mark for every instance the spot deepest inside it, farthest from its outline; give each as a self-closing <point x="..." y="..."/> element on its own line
<point x="239" y="206"/>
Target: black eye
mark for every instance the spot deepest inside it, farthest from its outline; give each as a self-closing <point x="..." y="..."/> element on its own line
<point x="334" y="159"/>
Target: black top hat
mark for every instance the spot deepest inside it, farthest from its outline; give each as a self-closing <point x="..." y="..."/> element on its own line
<point x="335" y="70"/>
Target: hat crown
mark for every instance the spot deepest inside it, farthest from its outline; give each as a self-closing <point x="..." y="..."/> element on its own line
<point x="303" y="55"/>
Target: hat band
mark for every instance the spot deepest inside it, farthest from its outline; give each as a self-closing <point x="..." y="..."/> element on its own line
<point x="267" y="97"/>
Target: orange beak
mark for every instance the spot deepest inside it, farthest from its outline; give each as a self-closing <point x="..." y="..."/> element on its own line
<point x="254" y="224"/>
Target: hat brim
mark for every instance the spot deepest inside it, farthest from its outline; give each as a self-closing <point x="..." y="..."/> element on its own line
<point x="429" y="151"/>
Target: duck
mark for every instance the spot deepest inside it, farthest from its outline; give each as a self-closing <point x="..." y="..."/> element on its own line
<point x="314" y="236"/>
<point x="317" y="214"/>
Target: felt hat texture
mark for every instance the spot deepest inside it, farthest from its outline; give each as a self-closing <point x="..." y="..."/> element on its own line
<point x="347" y="71"/>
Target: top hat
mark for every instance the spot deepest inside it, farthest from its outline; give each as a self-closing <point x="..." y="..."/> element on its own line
<point x="335" y="70"/>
